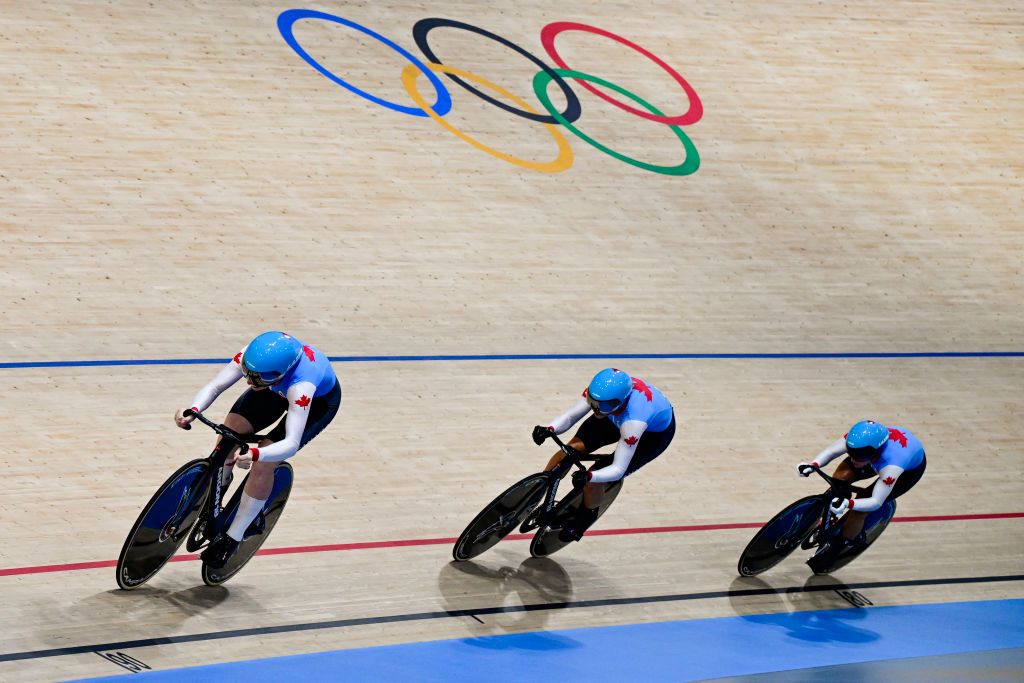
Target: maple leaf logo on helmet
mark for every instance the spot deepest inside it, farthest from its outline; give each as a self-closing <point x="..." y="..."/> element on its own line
<point x="309" y="353"/>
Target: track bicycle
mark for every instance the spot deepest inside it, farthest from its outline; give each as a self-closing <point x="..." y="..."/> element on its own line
<point x="806" y="523"/>
<point x="187" y="508"/>
<point x="530" y="504"/>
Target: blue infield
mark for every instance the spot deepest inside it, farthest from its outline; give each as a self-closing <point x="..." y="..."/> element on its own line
<point x="664" y="651"/>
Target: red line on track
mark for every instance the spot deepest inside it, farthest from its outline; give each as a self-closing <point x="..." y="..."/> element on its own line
<point x="367" y="545"/>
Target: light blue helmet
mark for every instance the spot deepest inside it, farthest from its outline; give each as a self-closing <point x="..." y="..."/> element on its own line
<point x="269" y="357"/>
<point x="865" y="440"/>
<point x="609" y="390"/>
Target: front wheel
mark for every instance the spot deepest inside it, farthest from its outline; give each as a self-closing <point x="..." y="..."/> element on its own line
<point x="163" y="524"/>
<point x="501" y="516"/>
<point x="781" y="535"/>
<point x="260" y="528"/>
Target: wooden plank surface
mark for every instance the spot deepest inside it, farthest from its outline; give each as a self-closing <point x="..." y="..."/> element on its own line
<point x="175" y="179"/>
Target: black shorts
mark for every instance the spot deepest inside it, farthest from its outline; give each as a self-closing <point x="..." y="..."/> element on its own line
<point x="261" y="408"/>
<point x="904" y="483"/>
<point x="597" y="432"/>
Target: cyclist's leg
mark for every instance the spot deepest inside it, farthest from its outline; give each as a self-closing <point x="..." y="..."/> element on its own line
<point x="574" y="442"/>
<point x="908" y="480"/>
<point x="260" y="483"/>
<point x="848" y="472"/>
<point x="592" y="434"/>
<point x="253" y="411"/>
<point x="854" y="525"/>
<point x="652" y="444"/>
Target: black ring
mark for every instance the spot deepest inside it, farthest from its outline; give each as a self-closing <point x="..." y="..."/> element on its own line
<point x="572" y="108"/>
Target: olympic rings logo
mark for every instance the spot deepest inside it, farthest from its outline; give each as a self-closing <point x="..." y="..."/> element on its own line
<point x="552" y="121"/>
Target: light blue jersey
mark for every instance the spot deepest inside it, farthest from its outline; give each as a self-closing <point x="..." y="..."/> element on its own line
<point x="902" y="450"/>
<point x="313" y="367"/>
<point x="646" y="404"/>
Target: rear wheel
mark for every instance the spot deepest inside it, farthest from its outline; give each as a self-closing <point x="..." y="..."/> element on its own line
<point x="546" y="541"/>
<point x="283" y="477"/>
<point x="501" y="516"/>
<point x="781" y="535"/>
<point x="874" y="525"/>
<point x="163" y="525"/>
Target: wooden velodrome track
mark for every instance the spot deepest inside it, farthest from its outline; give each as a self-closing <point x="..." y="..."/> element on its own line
<point x="176" y="179"/>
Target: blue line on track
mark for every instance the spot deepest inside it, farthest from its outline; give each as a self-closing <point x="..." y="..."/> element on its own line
<point x="663" y="651"/>
<point x="529" y="356"/>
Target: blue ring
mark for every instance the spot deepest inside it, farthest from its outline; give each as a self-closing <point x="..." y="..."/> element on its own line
<point x="287" y="19"/>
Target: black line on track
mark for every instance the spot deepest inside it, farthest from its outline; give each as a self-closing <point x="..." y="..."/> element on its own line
<point x="422" y="616"/>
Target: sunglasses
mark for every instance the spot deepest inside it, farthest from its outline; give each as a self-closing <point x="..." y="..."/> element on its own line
<point x="256" y="379"/>
<point x="862" y="454"/>
<point x="604" y="407"/>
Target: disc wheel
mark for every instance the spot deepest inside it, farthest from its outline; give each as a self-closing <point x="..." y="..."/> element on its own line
<point x="283" y="477"/>
<point x="874" y="525"/>
<point x="501" y="516"/>
<point x="163" y="525"/>
<point x="546" y="541"/>
<point x="780" y="536"/>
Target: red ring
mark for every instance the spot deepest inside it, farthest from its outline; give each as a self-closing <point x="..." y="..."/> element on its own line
<point x="692" y="115"/>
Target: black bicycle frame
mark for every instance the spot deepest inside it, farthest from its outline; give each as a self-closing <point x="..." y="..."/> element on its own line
<point x="837" y="488"/>
<point x="572" y="457"/>
<point x="229" y="440"/>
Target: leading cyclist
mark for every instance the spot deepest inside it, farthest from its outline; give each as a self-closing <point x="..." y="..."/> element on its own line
<point x="285" y="377"/>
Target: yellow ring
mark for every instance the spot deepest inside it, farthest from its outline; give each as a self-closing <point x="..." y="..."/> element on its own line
<point x="564" y="159"/>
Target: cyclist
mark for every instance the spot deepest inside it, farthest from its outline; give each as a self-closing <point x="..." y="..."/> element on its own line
<point x="893" y="453"/>
<point x="627" y="411"/>
<point x="285" y="377"/>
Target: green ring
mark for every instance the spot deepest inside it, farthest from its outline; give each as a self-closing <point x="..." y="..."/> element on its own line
<point x="690" y="164"/>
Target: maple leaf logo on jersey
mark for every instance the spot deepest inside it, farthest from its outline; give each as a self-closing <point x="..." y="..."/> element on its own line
<point x="641" y="386"/>
<point x="309" y="353"/>
<point x="631" y="440"/>
<point x="898" y="436"/>
<point x="585" y="392"/>
<point x="238" y="357"/>
<point x="889" y="481"/>
<point x="302" y="401"/>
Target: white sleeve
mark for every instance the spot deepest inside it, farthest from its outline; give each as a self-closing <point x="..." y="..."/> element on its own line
<point x="563" y="422"/>
<point x="630" y="433"/>
<point x="300" y="396"/>
<point x="228" y="375"/>
<point x="883" y="487"/>
<point x="831" y="453"/>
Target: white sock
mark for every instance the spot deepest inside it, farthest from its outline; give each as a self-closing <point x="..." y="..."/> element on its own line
<point x="248" y="509"/>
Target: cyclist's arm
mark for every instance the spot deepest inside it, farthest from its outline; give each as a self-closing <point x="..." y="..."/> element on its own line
<point x="631" y="431"/>
<point x="228" y="375"/>
<point x="563" y="422"/>
<point x="883" y="487"/>
<point x="300" y="396"/>
<point x="831" y="453"/>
